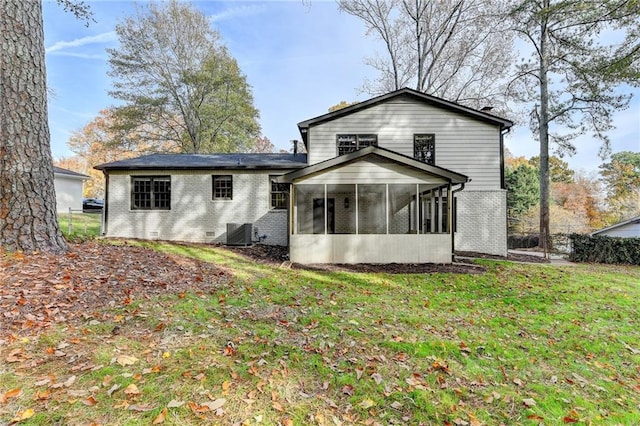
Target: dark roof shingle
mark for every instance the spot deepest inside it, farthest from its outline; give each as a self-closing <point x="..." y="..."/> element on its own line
<point x="208" y="161"/>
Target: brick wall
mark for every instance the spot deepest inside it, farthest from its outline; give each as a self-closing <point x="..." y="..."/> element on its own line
<point x="482" y="221"/>
<point x="194" y="215"/>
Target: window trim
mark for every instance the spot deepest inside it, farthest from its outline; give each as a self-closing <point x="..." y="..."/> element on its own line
<point x="226" y="189"/>
<point x="152" y="193"/>
<point x="433" y="152"/>
<point x="272" y="192"/>
<point x="356" y="138"/>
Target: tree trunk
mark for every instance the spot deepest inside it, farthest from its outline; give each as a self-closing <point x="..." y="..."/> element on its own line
<point x="545" y="237"/>
<point x="28" y="220"/>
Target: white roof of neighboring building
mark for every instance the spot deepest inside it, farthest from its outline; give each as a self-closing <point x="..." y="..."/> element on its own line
<point x="618" y="225"/>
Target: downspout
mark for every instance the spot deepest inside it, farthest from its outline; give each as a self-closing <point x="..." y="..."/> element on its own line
<point x="454" y="219"/>
<point x="502" y="182"/>
<point x="105" y="208"/>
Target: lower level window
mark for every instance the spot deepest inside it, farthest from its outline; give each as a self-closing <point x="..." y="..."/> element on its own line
<point x="222" y="187"/>
<point x="278" y="194"/>
<point x="151" y="193"/>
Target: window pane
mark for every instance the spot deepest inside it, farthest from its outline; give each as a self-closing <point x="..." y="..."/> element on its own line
<point x="309" y="204"/>
<point x="279" y="193"/>
<point x="347" y="144"/>
<point x="424" y="148"/>
<point x="367" y="140"/>
<point x="402" y="209"/>
<point x="223" y="187"/>
<point x="372" y="202"/>
<point x="151" y="193"/>
<point x="344" y="208"/>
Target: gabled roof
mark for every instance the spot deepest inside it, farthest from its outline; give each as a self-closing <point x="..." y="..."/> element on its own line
<point x="372" y="151"/>
<point x="208" y="162"/>
<point x="303" y="126"/>
<point x="618" y="225"/>
<point x="69" y="173"/>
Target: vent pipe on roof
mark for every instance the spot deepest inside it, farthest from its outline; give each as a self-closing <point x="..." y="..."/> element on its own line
<point x="486" y="108"/>
<point x="295" y="146"/>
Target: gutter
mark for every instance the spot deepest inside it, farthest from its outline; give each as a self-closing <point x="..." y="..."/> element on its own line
<point x="454" y="220"/>
<point x="105" y="208"/>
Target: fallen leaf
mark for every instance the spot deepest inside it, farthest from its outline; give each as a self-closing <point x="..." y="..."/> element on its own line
<point x="175" y="404"/>
<point x="125" y="360"/>
<point x="140" y="407"/>
<point x="160" y="417"/>
<point x="214" y="405"/>
<point x="90" y="401"/>
<point x="277" y="406"/>
<point x="132" y="390"/>
<point x="567" y="419"/>
<point x="396" y="405"/>
<point x="13" y="393"/>
<point x="112" y="389"/>
<point x="535" y="417"/>
<point x="367" y="403"/>
<point x="529" y="402"/>
<point x="377" y="378"/>
<point x="70" y="381"/>
<point x="518" y="382"/>
<point x="23" y="415"/>
<point x="348" y="389"/>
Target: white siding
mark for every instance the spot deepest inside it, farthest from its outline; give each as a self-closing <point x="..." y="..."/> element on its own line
<point x="372" y="171"/>
<point x="630" y="230"/>
<point x="68" y="192"/>
<point x="194" y="216"/>
<point x="463" y="144"/>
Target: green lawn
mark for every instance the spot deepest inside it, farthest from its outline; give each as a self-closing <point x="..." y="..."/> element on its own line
<point x="516" y="345"/>
<point x="83" y="225"/>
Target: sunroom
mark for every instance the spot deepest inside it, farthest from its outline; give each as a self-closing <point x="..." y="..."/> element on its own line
<point x="371" y="206"/>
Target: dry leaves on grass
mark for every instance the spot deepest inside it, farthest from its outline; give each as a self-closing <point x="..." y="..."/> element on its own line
<point x="39" y="290"/>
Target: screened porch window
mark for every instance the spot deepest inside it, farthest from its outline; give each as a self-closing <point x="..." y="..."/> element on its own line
<point x="371" y="208"/>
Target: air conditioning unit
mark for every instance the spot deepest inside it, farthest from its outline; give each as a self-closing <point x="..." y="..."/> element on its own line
<point x="239" y="234"/>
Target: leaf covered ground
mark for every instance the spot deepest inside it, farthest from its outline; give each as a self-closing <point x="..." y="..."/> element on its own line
<point x="141" y="333"/>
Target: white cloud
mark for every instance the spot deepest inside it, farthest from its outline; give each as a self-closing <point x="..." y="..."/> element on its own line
<point x="235" y="12"/>
<point x="83" y="41"/>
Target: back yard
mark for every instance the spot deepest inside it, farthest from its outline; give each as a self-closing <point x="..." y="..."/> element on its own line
<point x="139" y="333"/>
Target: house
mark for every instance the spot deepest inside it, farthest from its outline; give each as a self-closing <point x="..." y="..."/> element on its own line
<point x="68" y="187"/>
<point x="403" y="177"/>
<point x="625" y="229"/>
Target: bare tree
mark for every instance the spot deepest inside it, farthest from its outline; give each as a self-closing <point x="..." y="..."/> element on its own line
<point x="28" y="220"/>
<point x="572" y="75"/>
<point x="450" y="49"/>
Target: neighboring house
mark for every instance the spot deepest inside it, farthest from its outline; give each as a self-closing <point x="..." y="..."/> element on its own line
<point x="626" y="229"/>
<point x="398" y="178"/>
<point x="68" y="187"/>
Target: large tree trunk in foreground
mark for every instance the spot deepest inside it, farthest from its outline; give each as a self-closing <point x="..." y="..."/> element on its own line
<point x="28" y="219"/>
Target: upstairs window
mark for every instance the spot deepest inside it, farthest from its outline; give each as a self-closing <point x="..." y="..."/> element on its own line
<point x="351" y="143"/>
<point x="151" y="193"/>
<point x="222" y="187"/>
<point x="424" y="148"/>
<point x="278" y="194"/>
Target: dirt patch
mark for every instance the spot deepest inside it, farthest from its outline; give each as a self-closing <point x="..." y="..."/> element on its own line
<point x="514" y="257"/>
<point x="276" y="255"/>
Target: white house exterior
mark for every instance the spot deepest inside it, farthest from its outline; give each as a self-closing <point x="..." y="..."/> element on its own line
<point x="68" y="187"/>
<point x="625" y="229"/>
<point x="404" y="177"/>
<point x="194" y="197"/>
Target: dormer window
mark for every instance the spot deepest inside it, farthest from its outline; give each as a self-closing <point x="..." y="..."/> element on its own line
<point x="424" y="147"/>
<point x="351" y="143"/>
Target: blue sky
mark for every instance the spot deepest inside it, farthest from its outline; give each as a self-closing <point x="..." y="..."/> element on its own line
<point x="300" y="57"/>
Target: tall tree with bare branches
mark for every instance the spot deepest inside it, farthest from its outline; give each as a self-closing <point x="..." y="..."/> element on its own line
<point x="451" y="49"/>
<point x="581" y="51"/>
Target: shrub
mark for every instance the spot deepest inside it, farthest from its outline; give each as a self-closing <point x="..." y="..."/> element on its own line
<point x="601" y="249"/>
